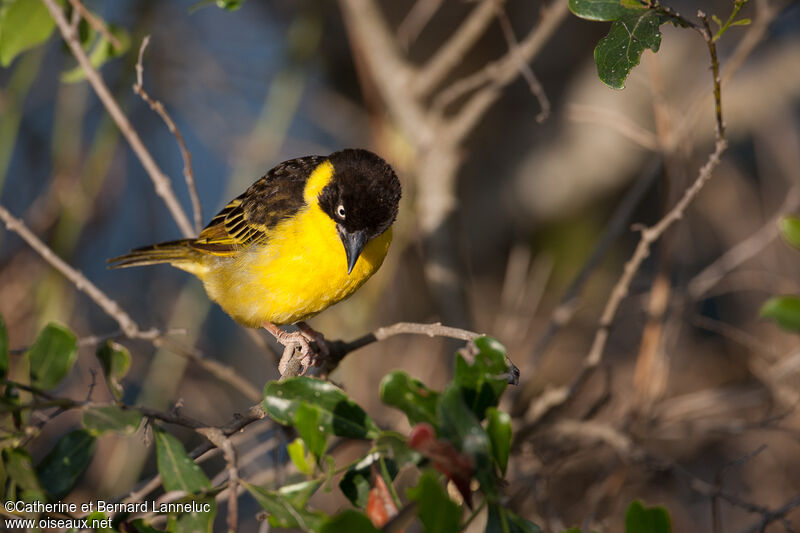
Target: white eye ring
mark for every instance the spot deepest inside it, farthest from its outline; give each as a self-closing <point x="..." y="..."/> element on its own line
<point x="340" y="211"/>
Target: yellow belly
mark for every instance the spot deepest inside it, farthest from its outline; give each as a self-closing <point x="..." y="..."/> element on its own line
<point x="301" y="271"/>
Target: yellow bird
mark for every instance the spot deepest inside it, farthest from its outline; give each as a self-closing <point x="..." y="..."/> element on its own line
<point x="300" y="239"/>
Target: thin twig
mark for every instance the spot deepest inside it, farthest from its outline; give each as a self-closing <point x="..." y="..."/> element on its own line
<point x="221" y="441"/>
<point x="160" y="180"/>
<point x="452" y="52"/>
<point x="527" y="72"/>
<point x="415" y="21"/>
<point x="96" y="23"/>
<point x="81" y="282"/>
<point x="158" y="107"/>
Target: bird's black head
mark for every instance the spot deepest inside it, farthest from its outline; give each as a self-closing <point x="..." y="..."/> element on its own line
<point x="362" y="198"/>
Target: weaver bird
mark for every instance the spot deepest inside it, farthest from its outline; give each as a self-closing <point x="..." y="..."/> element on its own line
<point x="300" y="239"/>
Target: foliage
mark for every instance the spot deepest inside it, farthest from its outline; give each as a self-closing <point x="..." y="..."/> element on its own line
<point x="785" y="310"/>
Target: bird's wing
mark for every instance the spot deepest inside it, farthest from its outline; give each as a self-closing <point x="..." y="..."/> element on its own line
<point x="248" y="219"/>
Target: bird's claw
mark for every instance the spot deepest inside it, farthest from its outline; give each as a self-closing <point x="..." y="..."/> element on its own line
<point x="301" y="340"/>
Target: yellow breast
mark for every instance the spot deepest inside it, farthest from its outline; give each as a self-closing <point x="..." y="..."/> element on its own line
<point x="300" y="271"/>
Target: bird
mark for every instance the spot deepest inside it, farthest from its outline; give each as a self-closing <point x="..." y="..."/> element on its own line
<point x="303" y="237"/>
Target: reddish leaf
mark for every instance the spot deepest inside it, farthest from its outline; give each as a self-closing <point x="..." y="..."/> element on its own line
<point x="445" y="457"/>
<point x="380" y="505"/>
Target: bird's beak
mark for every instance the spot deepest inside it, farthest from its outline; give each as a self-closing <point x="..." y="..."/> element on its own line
<point x="353" y="244"/>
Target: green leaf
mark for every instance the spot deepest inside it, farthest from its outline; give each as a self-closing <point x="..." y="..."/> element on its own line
<point x="141" y="527"/>
<point x="395" y="445"/>
<point x="483" y="381"/>
<point x="3" y="348"/>
<point x="790" y="229"/>
<point x="339" y="415"/>
<point x="196" y="521"/>
<point x="298" y="494"/>
<point x="52" y="356"/>
<point x="357" y="481"/>
<point x="350" y="521"/>
<point x="307" y="421"/>
<point x="499" y="430"/>
<point x="284" y="510"/>
<point x="178" y="471"/>
<point x="438" y="513"/>
<point x="639" y="519"/>
<point x="411" y="396"/>
<point x="230" y="5"/>
<point x="741" y="22"/>
<point x="115" y="360"/>
<point x="99" y="522"/>
<point x="23" y="25"/>
<point x="619" y="51"/>
<point x="501" y="520"/>
<point x="298" y="453"/>
<point x="601" y="9"/>
<point x="19" y="467"/>
<point x="102" y="51"/>
<point x="785" y="310"/>
<point x="460" y="426"/>
<point x="98" y="420"/>
<point x="60" y="469"/>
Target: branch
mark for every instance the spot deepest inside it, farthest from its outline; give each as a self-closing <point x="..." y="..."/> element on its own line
<point x="221" y="441"/>
<point x="451" y="53"/>
<point x="505" y="70"/>
<point x="128" y="326"/>
<point x="81" y="282"/>
<point x="158" y="107"/>
<point x="160" y="180"/>
<point x="96" y="23"/>
<point x="415" y="21"/>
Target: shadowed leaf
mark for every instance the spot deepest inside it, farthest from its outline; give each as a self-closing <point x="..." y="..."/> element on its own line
<point x="499" y="431"/>
<point x="356" y="482"/>
<point x="52" y="356"/>
<point x="177" y="470"/>
<point x="438" y="513"/>
<point x="619" y="51"/>
<point x="350" y="521"/>
<point x="60" y="469"/>
<point x="115" y="360"/>
<point x="99" y="420"/>
<point x="286" y="507"/>
<point x="411" y="396"/>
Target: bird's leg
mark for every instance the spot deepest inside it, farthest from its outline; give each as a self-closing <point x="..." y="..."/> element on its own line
<point x="301" y="339"/>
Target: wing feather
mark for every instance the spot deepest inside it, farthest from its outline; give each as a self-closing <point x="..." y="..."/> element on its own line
<point x="248" y="219"/>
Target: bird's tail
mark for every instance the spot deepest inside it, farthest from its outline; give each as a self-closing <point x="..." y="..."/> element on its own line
<point x="174" y="252"/>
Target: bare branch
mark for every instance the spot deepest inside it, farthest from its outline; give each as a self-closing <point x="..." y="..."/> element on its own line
<point x="81" y="282"/>
<point x="527" y="72"/>
<point x="160" y="180"/>
<point x="505" y="70"/>
<point x="415" y="21"/>
<point x="221" y="441"/>
<point x="451" y="53"/>
<point x="158" y="107"/>
<point x="96" y="23"/>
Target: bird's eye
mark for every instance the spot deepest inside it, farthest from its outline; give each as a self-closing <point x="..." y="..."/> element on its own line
<point x="340" y="211"/>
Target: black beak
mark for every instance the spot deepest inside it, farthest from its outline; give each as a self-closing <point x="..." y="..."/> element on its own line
<point x="353" y="244"/>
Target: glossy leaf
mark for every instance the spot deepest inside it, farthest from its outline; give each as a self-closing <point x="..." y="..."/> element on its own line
<point x="23" y="25"/>
<point x="115" y="360"/>
<point x="460" y="426"/>
<point x="350" y="521"/>
<point x="178" y="471"/>
<point x="230" y="5"/>
<point x="283" y="512"/>
<point x="641" y="519"/>
<point x="599" y="9"/>
<point x="501" y="520"/>
<point x="619" y="51"/>
<point x="395" y="446"/>
<point x="483" y="380"/>
<point x="499" y="431"/>
<point x="790" y="229"/>
<point x="298" y="453"/>
<point x="308" y="422"/>
<point x="99" y="420"/>
<point x="3" y="348"/>
<point x="339" y="415"/>
<point x="357" y="480"/>
<point x="102" y="52"/>
<point x="438" y="513"/>
<point x="785" y="310"/>
<point x="60" y="469"/>
<point x="52" y="356"/>
<point x="411" y="396"/>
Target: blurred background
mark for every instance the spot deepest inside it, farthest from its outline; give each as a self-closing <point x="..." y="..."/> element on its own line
<point x="690" y="373"/>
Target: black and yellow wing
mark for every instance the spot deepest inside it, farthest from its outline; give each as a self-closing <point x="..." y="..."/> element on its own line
<point x="248" y="219"/>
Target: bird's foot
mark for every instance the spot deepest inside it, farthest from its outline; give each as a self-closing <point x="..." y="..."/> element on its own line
<point x="302" y="340"/>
